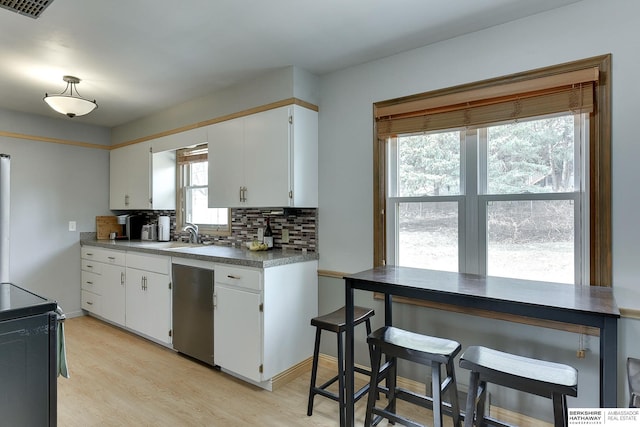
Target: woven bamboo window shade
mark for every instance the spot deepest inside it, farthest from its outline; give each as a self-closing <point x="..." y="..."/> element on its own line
<point x="195" y="154"/>
<point x="571" y="91"/>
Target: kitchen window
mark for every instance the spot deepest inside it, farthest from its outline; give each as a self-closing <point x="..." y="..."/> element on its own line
<point x="193" y="196"/>
<point x="508" y="177"/>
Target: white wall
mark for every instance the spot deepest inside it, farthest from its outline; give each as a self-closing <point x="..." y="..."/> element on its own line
<point x="52" y="184"/>
<point x="578" y="31"/>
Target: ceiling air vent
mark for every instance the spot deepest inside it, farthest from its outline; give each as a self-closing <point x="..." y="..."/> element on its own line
<point x="32" y="8"/>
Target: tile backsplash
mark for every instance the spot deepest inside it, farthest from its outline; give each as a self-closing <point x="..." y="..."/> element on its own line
<point x="301" y="224"/>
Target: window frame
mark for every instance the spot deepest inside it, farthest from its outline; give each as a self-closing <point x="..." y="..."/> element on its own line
<point x="599" y="155"/>
<point x="181" y="199"/>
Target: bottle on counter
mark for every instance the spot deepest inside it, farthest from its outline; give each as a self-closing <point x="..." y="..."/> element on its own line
<point x="268" y="235"/>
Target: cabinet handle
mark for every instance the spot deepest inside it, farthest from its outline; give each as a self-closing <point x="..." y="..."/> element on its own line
<point x="126" y="200"/>
<point x="233" y="277"/>
<point x="89" y="303"/>
<point x="243" y="194"/>
<point x="112" y="258"/>
<point x="89" y="254"/>
<point x="89" y="266"/>
<point x="215" y="301"/>
<point x="89" y="283"/>
<point x="142" y="283"/>
<point x="122" y="277"/>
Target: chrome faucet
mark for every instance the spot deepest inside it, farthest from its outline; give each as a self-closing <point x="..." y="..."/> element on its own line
<point x="193" y="232"/>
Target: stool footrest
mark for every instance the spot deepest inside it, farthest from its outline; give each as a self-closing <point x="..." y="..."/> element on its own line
<point x="326" y="384"/>
<point x="393" y="417"/>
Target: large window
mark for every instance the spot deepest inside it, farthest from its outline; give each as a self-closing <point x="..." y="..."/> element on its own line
<point x="504" y="200"/>
<point x="193" y="196"/>
<point x="508" y="177"/>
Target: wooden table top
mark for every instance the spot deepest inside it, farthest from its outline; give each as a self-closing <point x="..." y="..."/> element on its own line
<point x="444" y="286"/>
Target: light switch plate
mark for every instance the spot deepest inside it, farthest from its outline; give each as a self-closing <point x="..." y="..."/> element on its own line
<point x="72" y="226"/>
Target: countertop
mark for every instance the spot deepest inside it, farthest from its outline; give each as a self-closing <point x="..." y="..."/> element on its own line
<point x="213" y="253"/>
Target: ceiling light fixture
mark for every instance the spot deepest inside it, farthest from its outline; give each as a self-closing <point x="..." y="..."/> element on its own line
<point x="68" y="104"/>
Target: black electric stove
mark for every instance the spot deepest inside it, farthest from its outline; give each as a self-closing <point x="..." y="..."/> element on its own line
<point x="28" y="355"/>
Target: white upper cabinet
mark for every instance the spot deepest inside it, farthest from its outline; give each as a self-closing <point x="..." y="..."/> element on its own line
<point x="267" y="159"/>
<point x="226" y="163"/>
<point x="129" y="177"/>
<point x="141" y="178"/>
<point x="163" y="180"/>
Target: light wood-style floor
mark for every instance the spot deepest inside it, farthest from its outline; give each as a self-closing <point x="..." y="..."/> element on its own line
<point x="119" y="379"/>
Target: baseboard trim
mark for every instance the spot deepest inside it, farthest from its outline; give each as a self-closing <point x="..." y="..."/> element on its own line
<point x="292" y="373"/>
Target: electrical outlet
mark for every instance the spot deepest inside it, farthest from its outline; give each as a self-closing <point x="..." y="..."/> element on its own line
<point x="72" y="226"/>
<point x="285" y="235"/>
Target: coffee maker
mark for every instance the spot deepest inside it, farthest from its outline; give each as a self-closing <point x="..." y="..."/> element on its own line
<point x="131" y="226"/>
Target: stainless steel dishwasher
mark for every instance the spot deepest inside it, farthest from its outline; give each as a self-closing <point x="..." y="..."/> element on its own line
<point x="193" y="311"/>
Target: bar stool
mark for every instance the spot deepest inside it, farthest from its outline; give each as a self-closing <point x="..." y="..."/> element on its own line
<point x="431" y="351"/>
<point x="552" y="380"/>
<point x="336" y="322"/>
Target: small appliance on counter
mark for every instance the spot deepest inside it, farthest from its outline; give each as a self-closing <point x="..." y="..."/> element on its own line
<point x="148" y="232"/>
<point x="164" y="229"/>
<point x="132" y="226"/>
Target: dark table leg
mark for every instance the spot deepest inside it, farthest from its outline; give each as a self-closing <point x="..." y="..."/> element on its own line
<point x="387" y="310"/>
<point x="608" y="363"/>
<point x="349" y="359"/>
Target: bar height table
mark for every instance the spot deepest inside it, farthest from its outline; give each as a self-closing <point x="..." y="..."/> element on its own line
<point x="592" y="306"/>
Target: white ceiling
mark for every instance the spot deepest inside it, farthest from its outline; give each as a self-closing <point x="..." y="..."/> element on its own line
<point x="138" y="57"/>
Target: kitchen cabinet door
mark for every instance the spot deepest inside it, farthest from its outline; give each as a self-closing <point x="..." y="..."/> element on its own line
<point x="136" y="300"/>
<point x="238" y="331"/>
<point x="267" y="158"/>
<point x="163" y="180"/>
<point x="158" y="307"/>
<point x="113" y="293"/>
<point x="148" y="304"/>
<point x="226" y="163"/>
<point x="130" y="177"/>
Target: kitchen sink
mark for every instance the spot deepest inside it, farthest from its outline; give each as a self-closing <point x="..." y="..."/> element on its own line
<point x="169" y="245"/>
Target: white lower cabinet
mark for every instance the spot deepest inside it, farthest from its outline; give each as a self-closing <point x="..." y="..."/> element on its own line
<point x="113" y="293"/>
<point x="238" y="345"/>
<point x="103" y="283"/>
<point x="261" y="315"/>
<point x="148" y="296"/>
<point x="261" y="319"/>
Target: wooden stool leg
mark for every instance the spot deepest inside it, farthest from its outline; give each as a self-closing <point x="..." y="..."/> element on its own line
<point x="471" y="400"/>
<point x="436" y="381"/>
<point x="376" y="355"/>
<point x="453" y="394"/>
<point x="314" y="373"/>
<point x="341" y="400"/>
<point x="482" y="399"/>
<point x="560" y="411"/>
<point x="391" y="383"/>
